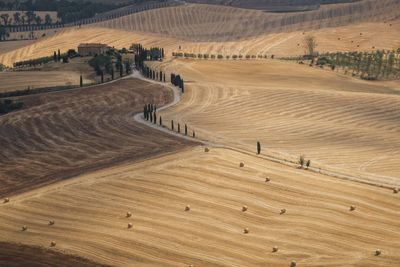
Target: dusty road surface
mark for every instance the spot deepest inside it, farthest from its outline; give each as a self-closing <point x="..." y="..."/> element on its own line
<point x="60" y="135"/>
<point x="187" y="209"/>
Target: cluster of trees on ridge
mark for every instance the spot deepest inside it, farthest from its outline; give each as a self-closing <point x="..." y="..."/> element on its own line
<point x="67" y="11"/>
<point x="380" y="64"/>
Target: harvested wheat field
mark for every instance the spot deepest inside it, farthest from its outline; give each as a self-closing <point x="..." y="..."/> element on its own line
<point x="17" y="255"/>
<point x="60" y="135"/>
<point x="340" y="123"/>
<point x="226" y="31"/>
<point x="187" y="209"/>
<point x="21" y="80"/>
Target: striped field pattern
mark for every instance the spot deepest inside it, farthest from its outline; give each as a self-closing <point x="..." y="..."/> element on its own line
<point x="318" y="229"/>
<point x="336" y="121"/>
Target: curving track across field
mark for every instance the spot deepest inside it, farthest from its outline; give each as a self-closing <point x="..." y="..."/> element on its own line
<point x="60" y="135"/>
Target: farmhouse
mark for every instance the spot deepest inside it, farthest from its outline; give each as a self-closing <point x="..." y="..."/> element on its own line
<point x="92" y="49"/>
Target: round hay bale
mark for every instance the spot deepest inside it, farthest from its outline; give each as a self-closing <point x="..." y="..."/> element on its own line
<point x="378" y="252"/>
<point x="246" y="230"/>
<point x="283" y="211"/>
<point x="6" y="200"/>
<point x="396" y="191"/>
<point x="244" y="208"/>
<point x="241" y="165"/>
<point x="352" y="208"/>
<point x="293" y="264"/>
<point x="51" y="222"/>
<point x="206" y="150"/>
<point x="53" y="243"/>
<point x="267" y="179"/>
<point x="130" y="225"/>
<point x="24" y="228"/>
<point x="187" y="208"/>
<point x="128" y="214"/>
<point x="275" y="249"/>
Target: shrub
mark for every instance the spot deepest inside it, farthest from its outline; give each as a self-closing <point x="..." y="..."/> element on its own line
<point x="213" y="56"/>
<point x="301" y="161"/>
<point x="220" y="56"/>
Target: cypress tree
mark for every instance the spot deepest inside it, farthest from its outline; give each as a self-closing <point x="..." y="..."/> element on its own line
<point x="81" y="81"/>
<point x="145" y="112"/>
<point x="186" y="130"/>
<point x="102" y="77"/>
<point x="155" y="118"/>
<point x="182" y="86"/>
<point x="151" y="117"/>
<point x="155" y="108"/>
<point x="194" y="134"/>
<point x="55" y="56"/>
<point x="164" y="77"/>
<point x="161" y="121"/>
<point x="258" y="148"/>
<point x="59" y="55"/>
<point x="179" y="128"/>
<point x="172" y="125"/>
<point x="112" y="73"/>
<point x="121" y="71"/>
<point x="161" y="75"/>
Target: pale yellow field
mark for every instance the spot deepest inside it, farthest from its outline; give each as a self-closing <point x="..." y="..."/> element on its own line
<point x="13" y="81"/>
<point x="378" y="35"/>
<point x="318" y="229"/>
<point x="340" y="123"/>
<point x="220" y="23"/>
<point x="348" y="128"/>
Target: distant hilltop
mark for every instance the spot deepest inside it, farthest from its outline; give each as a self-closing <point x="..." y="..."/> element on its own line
<point x="274" y="5"/>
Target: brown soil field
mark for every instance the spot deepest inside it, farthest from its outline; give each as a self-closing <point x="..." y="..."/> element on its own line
<point x="318" y="229"/>
<point x="340" y="123"/>
<point x="17" y="255"/>
<point x="60" y="135"/>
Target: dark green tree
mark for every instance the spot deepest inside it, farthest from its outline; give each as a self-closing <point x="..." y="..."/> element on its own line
<point x="258" y="148"/>
<point x="81" y="81"/>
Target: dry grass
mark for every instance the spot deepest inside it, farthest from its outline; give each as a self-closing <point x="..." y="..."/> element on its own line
<point x="319" y="230"/>
<point x="59" y="135"/>
<point x="236" y="103"/>
<point x="378" y="34"/>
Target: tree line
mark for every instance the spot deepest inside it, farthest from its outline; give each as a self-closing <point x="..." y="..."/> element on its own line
<point x="379" y="64"/>
<point x="150" y="114"/>
<point x="219" y="56"/>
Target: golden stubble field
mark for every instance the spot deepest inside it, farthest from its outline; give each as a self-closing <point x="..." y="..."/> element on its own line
<point x="187" y="209"/>
<point x="340" y="123"/>
<point x="377" y="35"/>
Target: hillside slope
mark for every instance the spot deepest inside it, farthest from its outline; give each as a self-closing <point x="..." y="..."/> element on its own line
<point x="340" y="123"/>
<point x="220" y="23"/>
<point x="318" y="229"/>
<point x="378" y="35"/>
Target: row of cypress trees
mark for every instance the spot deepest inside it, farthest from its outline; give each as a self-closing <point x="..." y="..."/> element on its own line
<point x="186" y="130"/>
<point x="178" y="81"/>
<point x="150" y="114"/>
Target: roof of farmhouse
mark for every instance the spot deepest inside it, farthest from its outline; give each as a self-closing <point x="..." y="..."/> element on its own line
<point x="92" y="45"/>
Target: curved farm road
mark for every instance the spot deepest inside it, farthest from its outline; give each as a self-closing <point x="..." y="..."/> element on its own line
<point x="60" y="135"/>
